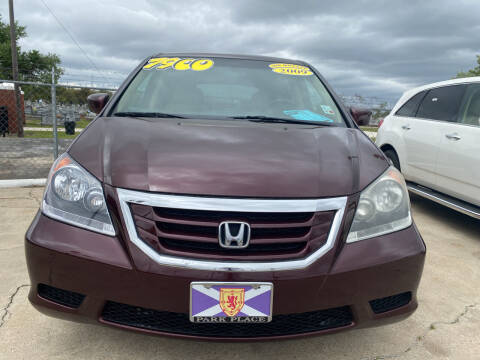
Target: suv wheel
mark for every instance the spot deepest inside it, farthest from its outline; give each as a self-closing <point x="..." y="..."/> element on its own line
<point x="392" y="155"/>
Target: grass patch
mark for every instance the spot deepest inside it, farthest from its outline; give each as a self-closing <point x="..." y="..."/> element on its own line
<point x="47" y="134"/>
<point x="369" y="128"/>
<point x="35" y="122"/>
<point x="82" y="123"/>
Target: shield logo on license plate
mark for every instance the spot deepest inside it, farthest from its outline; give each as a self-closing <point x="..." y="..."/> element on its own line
<point x="232" y="300"/>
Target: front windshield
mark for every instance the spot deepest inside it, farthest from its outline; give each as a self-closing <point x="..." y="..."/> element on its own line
<point x="228" y="88"/>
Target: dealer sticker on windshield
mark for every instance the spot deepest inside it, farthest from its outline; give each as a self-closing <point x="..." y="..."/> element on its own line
<point x="213" y="302"/>
<point x="290" y="69"/>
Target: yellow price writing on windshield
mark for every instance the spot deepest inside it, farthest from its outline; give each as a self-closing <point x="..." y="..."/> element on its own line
<point x="179" y="64"/>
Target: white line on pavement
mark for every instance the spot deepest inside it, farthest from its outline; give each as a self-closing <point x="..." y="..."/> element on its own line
<point x="22" y="183"/>
<point x="29" y="128"/>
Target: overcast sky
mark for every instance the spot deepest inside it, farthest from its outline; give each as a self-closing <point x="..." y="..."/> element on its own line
<point x="372" y="48"/>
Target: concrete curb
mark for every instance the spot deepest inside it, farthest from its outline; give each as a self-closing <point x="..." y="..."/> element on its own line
<point x="15" y="183"/>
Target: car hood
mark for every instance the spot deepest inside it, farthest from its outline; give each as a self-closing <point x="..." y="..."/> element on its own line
<point x="228" y="158"/>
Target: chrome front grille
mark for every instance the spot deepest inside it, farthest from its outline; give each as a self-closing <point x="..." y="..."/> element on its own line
<point x="194" y="233"/>
<point x="182" y="231"/>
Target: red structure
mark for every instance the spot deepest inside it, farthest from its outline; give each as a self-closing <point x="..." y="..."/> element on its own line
<point x="7" y="99"/>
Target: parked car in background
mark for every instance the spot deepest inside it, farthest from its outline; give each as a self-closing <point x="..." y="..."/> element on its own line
<point x="225" y="197"/>
<point x="433" y="136"/>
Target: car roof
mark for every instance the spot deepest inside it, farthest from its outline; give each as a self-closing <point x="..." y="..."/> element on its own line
<point x="230" y="56"/>
<point x="407" y="95"/>
<point x="466" y="80"/>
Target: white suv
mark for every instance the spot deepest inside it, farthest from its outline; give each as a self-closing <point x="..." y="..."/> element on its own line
<point x="433" y="136"/>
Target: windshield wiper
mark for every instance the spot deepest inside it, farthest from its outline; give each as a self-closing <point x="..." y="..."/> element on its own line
<point x="272" y="119"/>
<point x="147" y="114"/>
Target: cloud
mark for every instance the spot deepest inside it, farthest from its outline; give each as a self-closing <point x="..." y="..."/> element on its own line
<point x="372" y="48"/>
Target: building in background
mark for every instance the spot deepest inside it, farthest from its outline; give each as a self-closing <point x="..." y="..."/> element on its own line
<point x="8" y="112"/>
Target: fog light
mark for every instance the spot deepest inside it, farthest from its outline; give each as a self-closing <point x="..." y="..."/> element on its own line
<point x="365" y="210"/>
<point x="94" y="200"/>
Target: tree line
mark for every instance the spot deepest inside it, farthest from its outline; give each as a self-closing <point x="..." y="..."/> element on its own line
<point x="35" y="67"/>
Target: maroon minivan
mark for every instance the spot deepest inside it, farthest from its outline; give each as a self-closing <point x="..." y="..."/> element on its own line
<point x="224" y="197"/>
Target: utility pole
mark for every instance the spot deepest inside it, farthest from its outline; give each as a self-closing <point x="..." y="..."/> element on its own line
<point x="13" y="42"/>
<point x="54" y="116"/>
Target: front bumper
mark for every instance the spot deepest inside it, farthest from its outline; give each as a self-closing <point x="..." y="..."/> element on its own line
<point x="101" y="268"/>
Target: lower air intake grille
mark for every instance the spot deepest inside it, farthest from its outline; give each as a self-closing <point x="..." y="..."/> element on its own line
<point x="59" y="296"/>
<point x="390" y="303"/>
<point x="178" y="323"/>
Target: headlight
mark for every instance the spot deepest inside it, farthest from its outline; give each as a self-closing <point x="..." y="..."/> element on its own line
<point x="383" y="207"/>
<point x="74" y="196"/>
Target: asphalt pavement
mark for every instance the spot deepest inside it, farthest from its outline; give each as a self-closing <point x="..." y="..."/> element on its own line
<point x="445" y="326"/>
<point x="27" y="158"/>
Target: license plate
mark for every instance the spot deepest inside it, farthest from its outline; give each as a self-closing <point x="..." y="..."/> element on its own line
<point x="214" y="302"/>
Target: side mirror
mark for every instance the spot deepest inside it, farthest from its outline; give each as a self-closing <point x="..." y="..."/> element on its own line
<point x="96" y="102"/>
<point x="361" y="116"/>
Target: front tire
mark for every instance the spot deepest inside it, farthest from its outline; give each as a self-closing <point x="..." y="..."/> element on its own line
<point x="392" y="155"/>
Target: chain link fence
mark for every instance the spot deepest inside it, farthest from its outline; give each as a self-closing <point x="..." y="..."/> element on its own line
<point x="38" y="121"/>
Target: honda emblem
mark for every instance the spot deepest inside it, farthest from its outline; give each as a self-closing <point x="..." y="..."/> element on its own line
<point x="234" y="234"/>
